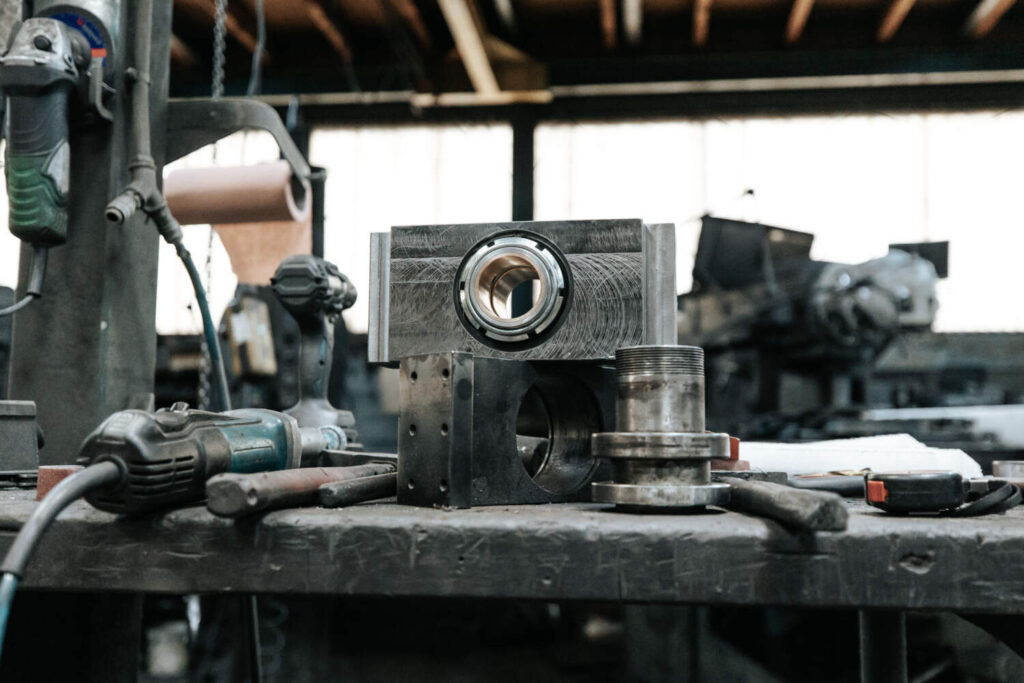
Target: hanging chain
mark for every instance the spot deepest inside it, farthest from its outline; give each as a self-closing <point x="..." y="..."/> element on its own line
<point x="216" y="91"/>
<point x="220" y="16"/>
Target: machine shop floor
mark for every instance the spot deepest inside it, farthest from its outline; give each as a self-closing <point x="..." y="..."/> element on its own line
<point x="556" y="552"/>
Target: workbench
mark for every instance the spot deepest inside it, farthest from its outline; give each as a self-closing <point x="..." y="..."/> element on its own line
<point x="547" y="552"/>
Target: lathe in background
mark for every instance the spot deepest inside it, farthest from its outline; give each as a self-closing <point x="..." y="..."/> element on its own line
<point x="798" y="349"/>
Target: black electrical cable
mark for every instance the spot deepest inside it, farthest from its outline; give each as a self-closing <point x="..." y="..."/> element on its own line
<point x="256" y="70"/>
<point x="14" y="308"/>
<point x="221" y="396"/>
<point x="1000" y="499"/>
<point x="63" y="494"/>
<point x="35" y="282"/>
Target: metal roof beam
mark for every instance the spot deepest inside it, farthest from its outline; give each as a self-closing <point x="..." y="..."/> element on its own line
<point x="701" y="22"/>
<point x="609" y="24"/>
<point x="470" y="44"/>
<point x="633" y="21"/>
<point x="985" y="17"/>
<point x="893" y="19"/>
<point x="328" y="29"/>
<point x="797" y="20"/>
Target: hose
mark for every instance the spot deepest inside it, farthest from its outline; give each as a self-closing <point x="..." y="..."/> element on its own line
<point x="63" y="494"/>
<point x="256" y="70"/>
<point x="35" y="283"/>
<point x="221" y="396"/>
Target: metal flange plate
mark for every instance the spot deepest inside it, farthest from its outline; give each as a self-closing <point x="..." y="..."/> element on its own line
<point x="660" y="495"/>
<point x="661" y="445"/>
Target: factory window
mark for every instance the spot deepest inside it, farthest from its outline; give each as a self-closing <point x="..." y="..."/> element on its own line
<point x="175" y="311"/>
<point x="379" y="177"/>
<point x="858" y="183"/>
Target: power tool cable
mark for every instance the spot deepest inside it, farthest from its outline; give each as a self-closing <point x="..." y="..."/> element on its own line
<point x="69" y="490"/>
<point x="35" y="282"/>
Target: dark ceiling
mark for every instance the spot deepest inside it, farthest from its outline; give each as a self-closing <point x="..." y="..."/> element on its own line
<point x="317" y="46"/>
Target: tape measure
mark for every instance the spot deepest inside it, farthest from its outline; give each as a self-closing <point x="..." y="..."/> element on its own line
<point x="945" y="493"/>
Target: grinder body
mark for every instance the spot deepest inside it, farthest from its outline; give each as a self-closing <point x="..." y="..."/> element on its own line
<point x="166" y="457"/>
<point x="38" y="75"/>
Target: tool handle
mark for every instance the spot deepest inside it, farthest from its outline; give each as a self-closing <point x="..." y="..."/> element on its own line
<point x="38" y="165"/>
<point x="316" y="356"/>
<point x="237" y="495"/>
<point x="339" y="494"/>
<point x="798" y="508"/>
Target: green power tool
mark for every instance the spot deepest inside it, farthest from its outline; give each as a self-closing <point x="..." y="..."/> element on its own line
<point x="38" y="75"/>
<point x="166" y="457"/>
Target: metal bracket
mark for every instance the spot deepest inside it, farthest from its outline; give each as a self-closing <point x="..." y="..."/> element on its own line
<point x="195" y="123"/>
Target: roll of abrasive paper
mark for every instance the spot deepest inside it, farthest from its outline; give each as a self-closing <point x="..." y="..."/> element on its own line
<point x="237" y="194"/>
<point x="255" y="210"/>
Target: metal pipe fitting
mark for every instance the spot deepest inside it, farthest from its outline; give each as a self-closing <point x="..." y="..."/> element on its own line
<point x="660" y="454"/>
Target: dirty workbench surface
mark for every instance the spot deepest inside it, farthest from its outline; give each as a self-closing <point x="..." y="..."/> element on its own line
<point x="575" y="551"/>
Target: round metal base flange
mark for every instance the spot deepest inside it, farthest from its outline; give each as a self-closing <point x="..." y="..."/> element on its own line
<point x="661" y="445"/>
<point x="660" y="495"/>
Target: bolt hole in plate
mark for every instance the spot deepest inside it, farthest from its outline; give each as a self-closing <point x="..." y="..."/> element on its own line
<point x="513" y="290"/>
<point x="556" y="417"/>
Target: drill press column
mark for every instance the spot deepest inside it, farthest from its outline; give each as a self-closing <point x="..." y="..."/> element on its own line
<point x="88" y="346"/>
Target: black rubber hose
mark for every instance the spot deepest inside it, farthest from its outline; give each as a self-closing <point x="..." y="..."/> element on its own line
<point x="63" y="494"/>
<point x="222" y="396"/>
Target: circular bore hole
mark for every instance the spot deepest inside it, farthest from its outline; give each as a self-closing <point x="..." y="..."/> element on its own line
<point x="444" y="428"/>
<point x="445" y="373"/>
<point x="411" y="484"/>
<point x="412" y="430"/>
<point x="509" y="286"/>
<point x="413" y="376"/>
<point x="443" y="486"/>
<point x="556" y="417"/>
<point x="513" y="292"/>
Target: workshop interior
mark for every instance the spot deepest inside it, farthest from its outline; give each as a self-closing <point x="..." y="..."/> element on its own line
<point x="508" y="340"/>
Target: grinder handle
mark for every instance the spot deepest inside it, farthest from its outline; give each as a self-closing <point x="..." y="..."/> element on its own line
<point x="38" y="165"/>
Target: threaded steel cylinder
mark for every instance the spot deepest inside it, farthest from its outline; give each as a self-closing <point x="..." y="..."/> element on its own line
<point x="659" y="453"/>
<point x="659" y="389"/>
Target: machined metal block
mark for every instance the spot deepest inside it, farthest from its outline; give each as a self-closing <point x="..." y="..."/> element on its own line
<point x="596" y="286"/>
<point x="488" y="431"/>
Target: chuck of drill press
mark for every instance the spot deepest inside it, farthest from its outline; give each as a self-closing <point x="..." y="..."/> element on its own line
<point x="166" y="457"/>
<point x="315" y="293"/>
